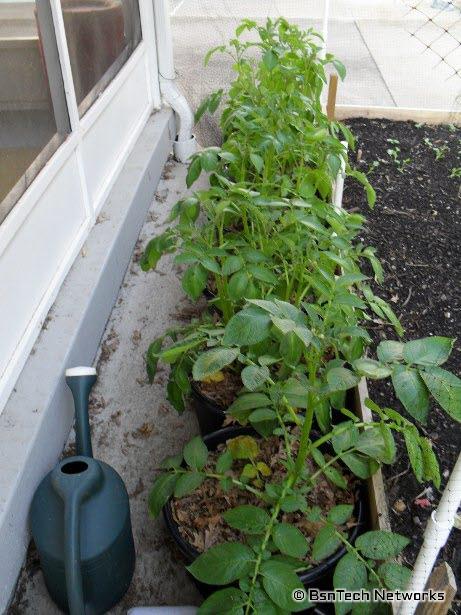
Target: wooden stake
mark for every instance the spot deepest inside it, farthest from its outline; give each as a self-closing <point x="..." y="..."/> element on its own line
<point x="331" y="102"/>
<point x="441" y="579"/>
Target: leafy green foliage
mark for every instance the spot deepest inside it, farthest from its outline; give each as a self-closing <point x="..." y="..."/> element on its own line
<point x="291" y="307"/>
<point x="280" y="581"/>
<point x="196" y="453"/>
<point x="289" y="540"/>
<point x="222" y="564"/>
<point x="213" y="361"/>
<point x="379" y="544"/>
<point x="248" y="519"/>
<point x="161" y="490"/>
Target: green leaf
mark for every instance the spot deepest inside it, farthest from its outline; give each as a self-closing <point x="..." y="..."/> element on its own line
<point x="350" y="573"/>
<point x="395" y="576"/>
<point x="335" y="477"/>
<point x="372" y="443"/>
<point x="280" y="581"/>
<point x="345" y="436"/>
<point x="242" y="407"/>
<point x="247" y="327"/>
<point x="254" y="376"/>
<point x="195" y="168"/>
<point x="270" y="60"/>
<point x="196" y="453"/>
<point x="411" y="391"/>
<point x="162" y="489"/>
<point x="213" y="361"/>
<point x="223" y="564"/>
<point x="363" y="467"/>
<point x="194" y="281"/>
<point x="238" y="284"/>
<point x="430" y="351"/>
<point x="446" y="388"/>
<point x="152" y="358"/>
<point x="371" y="369"/>
<point x="340" y="514"/>
<point x="262" y="274"/>
<point x="175" y="395"/>
<point x="248" y="519"/>
<point x="187" y="483"/>
<point x="379" y="544"/>
<point x="390" y="350"/>
<point x="232" y="264"/>
<point x="362" y="178"/>
<point x="209" y="160"/>
<point x="171" y="354"/>
<point x="228" y="601"/>
<point x="340" y="68"/>
<point x="431" y="469"/>
<point x="257" y="161"/>
<point x="172" y="462"/>
<point x="390" y="449"/>
<point x="156" y="248"/>
<point x="414" y="452"/>
<point x="323" y="416"/>
<point x="325" y="544"/>
<point x="291" y="348"/>
<point x="341" y="379"/>
<point x="289" y="540"/>
<point x="224" y="462"/>
<point x="294" y="502"/>
<point x="263" y="414"/>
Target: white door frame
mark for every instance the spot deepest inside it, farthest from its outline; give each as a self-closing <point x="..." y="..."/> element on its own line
<point x="116" y="116"/>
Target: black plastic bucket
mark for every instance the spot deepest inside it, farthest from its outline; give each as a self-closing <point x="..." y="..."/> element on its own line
<point x="210" y="415"/>
<point x="320" y="576"/>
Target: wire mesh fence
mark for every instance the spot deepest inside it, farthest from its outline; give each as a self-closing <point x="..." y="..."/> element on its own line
<point x="398" y="53"/>
<point x="438" y="30"/>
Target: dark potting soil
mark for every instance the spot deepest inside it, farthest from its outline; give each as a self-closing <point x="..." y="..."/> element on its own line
<point x="223" y="389"/>
<point x="416" y="227"/>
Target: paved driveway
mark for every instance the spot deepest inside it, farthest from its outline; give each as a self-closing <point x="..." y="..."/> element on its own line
<point x="386" y="66"/>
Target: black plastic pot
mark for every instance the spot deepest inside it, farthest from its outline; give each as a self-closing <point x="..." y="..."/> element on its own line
<point x="320" y="576"/>
<point x="210" y="415"/>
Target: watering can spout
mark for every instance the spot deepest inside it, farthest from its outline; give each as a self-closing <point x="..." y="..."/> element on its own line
<point x="80" y="381"/>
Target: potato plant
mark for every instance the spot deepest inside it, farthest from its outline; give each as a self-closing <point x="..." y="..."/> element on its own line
<point x="292" y="304"/>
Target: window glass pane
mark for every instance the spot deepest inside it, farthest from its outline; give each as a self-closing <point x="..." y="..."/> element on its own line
<point x="101" y="36"/>
<point x="33" y="113"/>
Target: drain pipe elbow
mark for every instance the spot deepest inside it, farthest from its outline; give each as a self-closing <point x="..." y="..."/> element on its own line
<point x="184" y="144"/>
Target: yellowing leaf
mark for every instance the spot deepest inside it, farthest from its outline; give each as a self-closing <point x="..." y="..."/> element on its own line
<point x="216" y="377"/>
<point x="243" y="447"/>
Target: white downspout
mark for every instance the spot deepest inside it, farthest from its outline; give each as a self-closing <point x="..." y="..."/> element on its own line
<point x="185" y="144"/>
<point x="436" y="535"/>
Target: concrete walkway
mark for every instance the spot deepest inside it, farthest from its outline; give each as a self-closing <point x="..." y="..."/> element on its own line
<point x="386" y="66"/>
<point x="133" y="426"/>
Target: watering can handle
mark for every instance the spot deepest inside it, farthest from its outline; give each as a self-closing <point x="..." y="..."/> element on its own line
<point x="72" y="563"/>
<point x="75" y="479"/>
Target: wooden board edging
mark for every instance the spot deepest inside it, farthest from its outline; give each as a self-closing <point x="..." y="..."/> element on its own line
<point x="402" y="114"/>
<point x="379" y="509"/>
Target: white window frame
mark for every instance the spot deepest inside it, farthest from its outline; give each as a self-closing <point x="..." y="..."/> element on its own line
<point x="140" y="66"/>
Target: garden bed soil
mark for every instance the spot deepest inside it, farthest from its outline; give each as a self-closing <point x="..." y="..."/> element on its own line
<point x="199" y="515"/>
<point x="416" y="228"/>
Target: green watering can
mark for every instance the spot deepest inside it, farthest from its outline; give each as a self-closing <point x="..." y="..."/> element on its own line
<point x="80" y="518"/>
